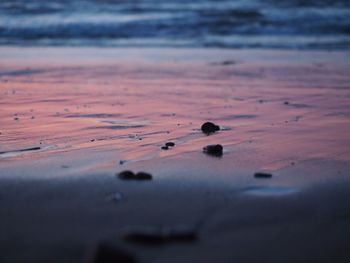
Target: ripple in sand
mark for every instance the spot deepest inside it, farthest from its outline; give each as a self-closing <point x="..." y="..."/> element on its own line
<point x="241" y="117"/>
<point x="14" y="153"/>
<point x="96" y="115"/>
<point x="118" y="125"/>
<point x="269" y="191"/>
<point x="159" y="236"/>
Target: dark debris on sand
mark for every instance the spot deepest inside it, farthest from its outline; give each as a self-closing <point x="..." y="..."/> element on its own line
<point x="262" y="175"/>
<point x="168" y="145"/>
<point x="143" y="176"/>
<point x="209" y="127"/>
<point x="129" y="175"/>
<point x="159" y="236"/>
<point x="215" y="150"/>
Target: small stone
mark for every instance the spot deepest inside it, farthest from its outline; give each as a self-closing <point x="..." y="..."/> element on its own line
<point x="170" y="144"/>
<point x="129" y="175"/>
<point x="262" y="175"/>
<point x="209" y="128"/>
<point x="126" y="175"/>
<point x="286" y="103"/>
<point x="108" y="253"/>
<point x="165" y="147"/>
<point x="143" y="176"/>
<point x="215" y="150"/>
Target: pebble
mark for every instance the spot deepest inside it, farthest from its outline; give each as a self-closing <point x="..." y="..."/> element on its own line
<point x="215" y="149"/>
<point x="262" y="175"/>
<point x="129" y="175"/>
<point x="108" y="253"/>
<point x="143" y="176"/>
<point x="209" y="127"/>
<point x="159" y="236"/>
<point x="126" y="175"/>
<point x="170" y="144"/>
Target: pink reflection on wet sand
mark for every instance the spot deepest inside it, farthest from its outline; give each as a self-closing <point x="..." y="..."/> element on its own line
<point x="273" y="112"/>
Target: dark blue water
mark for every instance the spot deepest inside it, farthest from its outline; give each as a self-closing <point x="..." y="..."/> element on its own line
<point x="292" y="24"/>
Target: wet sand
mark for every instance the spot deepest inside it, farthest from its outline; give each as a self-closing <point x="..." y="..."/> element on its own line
<point x="73" y="118"/>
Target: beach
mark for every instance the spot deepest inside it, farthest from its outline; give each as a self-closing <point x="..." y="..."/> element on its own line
<point x="72" y="118"/>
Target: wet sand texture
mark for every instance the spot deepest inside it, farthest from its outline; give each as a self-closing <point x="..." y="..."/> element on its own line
<point x="84" y="178"/>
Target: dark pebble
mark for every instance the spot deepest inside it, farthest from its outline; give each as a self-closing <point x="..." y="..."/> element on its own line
<point x="286" y="103"/>
<point x="109" y="253"/>
<point x="165" y="147"/>
<point x="170" y="144"/>
<point x="126" y="175"/>
<point x="143" y="176"/>
<point x="129" y="175"/>
<point x="159" y="236"/>
<point x="215" y="149"/>
<point x="262" y="175"/>
<point x="209" y="128"/>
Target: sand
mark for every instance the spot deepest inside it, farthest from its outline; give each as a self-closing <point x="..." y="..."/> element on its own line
<point x="72" y="118"/>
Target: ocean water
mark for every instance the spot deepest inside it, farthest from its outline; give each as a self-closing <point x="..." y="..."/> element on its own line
<point x="290" y="24"/>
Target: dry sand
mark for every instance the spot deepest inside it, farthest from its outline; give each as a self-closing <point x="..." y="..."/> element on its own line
<point x="71" y="118"/>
